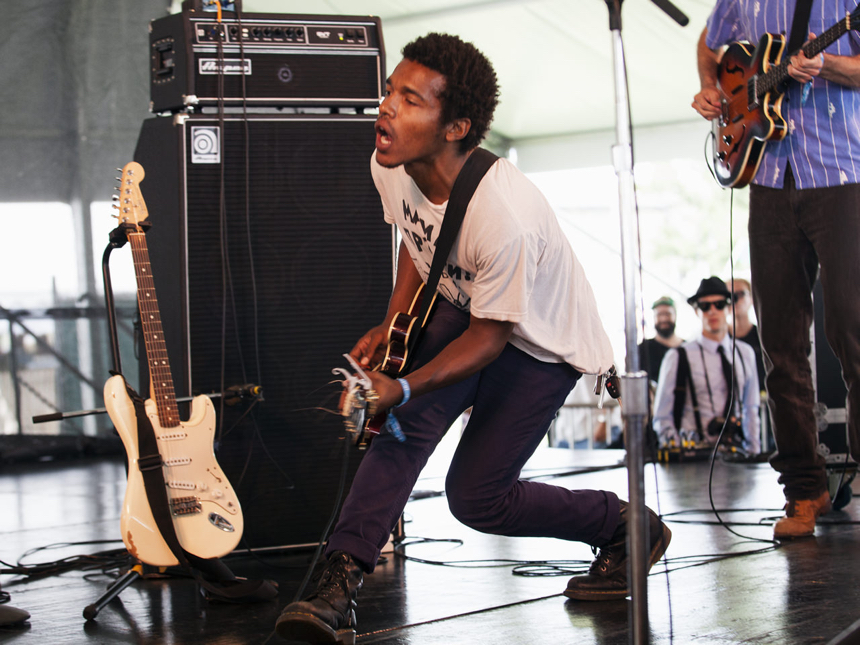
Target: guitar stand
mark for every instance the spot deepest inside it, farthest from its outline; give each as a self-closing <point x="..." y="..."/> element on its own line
<point x="130" y="577"/>
<point x="118" y="239"/>
<point x="210" y="570"/>
<point x="211" y="574"/>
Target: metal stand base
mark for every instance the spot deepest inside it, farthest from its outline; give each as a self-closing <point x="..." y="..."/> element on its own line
<point x="133" y="574"/>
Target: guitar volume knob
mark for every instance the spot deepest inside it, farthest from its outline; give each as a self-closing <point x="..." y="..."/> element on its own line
<point x="728" y="139"/>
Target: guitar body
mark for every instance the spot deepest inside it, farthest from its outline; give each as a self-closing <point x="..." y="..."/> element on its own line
<point x="746" y="123"/>
<point x="404" y="324"/>
<point x="206" y="513"/>
<point x="394" y="360"/>
<point x="203" y="507"/>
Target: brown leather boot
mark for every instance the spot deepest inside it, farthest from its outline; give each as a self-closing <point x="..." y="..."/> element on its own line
<point x="800" y="516"/>
<point x="328" y="614"/>
<point x="607" y="577"/>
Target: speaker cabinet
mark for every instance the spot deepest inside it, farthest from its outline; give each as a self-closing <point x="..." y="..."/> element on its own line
<point x="270" y="259"/>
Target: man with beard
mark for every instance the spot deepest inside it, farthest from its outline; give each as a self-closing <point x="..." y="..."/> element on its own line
<point x="700" y="386"/>
<point x="652" y="350"/>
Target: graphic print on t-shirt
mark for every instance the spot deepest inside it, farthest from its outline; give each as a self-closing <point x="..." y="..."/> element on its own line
<point x="421" y="241"/>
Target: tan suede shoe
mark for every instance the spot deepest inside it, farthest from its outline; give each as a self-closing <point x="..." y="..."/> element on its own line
<point x="800" y="516"/>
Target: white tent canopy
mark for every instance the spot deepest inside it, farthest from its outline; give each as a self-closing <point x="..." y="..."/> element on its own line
<point x="555" y="65"/>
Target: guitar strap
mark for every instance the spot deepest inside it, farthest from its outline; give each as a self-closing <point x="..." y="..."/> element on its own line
<point x="470" y="175"/>
<point x="227" y="587"/>
<point x="799" y="25"/>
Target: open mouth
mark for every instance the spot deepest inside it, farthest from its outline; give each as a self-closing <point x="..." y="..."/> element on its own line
<point x="383" y="137"/>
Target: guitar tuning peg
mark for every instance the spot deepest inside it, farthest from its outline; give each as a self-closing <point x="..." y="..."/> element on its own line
<point x="119" y="169"/>
<point x="116" y="206"/>
<point x="119" y="179"/>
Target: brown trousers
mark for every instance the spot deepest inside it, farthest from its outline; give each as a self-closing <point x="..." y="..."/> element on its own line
<point x="792" y="232"/>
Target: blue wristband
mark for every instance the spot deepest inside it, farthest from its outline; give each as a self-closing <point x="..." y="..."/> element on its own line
<point x="804" y="93"/>
<point x="407" y="391"/>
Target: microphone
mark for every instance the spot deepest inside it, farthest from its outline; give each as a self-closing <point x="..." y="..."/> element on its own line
<point x="673" y="12"/>
<point x="235" y="394"/>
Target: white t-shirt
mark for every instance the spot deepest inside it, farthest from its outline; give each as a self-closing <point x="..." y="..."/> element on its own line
<point x="511" y="261"/>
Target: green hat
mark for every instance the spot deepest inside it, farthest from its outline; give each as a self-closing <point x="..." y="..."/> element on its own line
<point x="663" y="300"/>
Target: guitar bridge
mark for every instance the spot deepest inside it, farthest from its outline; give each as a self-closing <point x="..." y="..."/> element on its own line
<point x="185" y="505"/>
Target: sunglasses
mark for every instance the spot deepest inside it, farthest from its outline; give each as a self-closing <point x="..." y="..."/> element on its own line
<point x="706" y="306"/>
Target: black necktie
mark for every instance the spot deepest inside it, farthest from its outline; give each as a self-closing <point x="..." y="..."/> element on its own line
<point x="727" y="374"/>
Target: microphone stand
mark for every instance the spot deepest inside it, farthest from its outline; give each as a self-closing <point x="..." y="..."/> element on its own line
<point x="635" y="381"/>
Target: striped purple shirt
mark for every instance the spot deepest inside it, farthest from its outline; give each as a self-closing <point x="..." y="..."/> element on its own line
<point x="823" y="140"/>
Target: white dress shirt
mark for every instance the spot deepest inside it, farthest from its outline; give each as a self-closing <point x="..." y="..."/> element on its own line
<point x="706" y="370"/>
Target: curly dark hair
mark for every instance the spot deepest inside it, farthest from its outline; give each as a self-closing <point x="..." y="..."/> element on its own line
<point x="471" y="87"/>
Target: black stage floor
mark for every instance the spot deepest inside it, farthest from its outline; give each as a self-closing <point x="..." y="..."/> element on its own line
<point x="802" y="592"/>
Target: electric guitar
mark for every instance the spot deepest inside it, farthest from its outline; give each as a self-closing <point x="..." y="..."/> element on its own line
<point x="204" y="508"/>
<point x="751" y="85"/>
<point x="393" y="359"/>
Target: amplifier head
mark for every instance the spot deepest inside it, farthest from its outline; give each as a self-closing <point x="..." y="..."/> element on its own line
<point x="265" y="60"/>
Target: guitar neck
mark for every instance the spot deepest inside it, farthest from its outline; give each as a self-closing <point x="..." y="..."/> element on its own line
<point x="778" y="74"/>
<point x="161" y="380"/>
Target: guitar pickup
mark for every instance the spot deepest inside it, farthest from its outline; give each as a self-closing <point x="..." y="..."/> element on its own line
<point x="180" y="485"/>
<point x="185" y="506"/>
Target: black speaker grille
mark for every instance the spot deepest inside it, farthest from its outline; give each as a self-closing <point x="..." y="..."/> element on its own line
<point x="309" y="271"/>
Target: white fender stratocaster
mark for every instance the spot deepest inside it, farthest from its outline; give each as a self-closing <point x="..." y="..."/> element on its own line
<point x="206" y="514"/>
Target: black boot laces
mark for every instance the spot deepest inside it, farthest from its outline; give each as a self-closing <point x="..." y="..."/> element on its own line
<point x="600" y="566"/>
<point x="333" y="577"/>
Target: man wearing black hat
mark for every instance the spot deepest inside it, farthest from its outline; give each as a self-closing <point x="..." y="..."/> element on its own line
<point x="652" y="350"/>
<point x="700" y="386"/>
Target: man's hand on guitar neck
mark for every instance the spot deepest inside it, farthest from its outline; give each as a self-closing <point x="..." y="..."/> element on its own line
<point x="844" y="70"/>
<point x="803" y="69"/>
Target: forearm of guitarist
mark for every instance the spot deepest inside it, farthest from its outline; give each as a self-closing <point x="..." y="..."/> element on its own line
<point x="707" y="101"/>
<point x="474" y="349"/>
<point x="406" y="285"/>
<point x="844" y="70"/>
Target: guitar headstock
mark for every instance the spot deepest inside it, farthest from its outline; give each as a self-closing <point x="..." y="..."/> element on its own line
<point x="129" y="203"/>
<point x="853" y="20"/>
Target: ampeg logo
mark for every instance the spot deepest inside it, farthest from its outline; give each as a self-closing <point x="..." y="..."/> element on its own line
<point x="231" y="66"/>
<point x="205" y="144"/>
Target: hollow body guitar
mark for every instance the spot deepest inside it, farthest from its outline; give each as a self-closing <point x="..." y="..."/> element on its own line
<point x="205" y="511"/>
<point x="393" y="359"/>
<point x="752" y="83"/>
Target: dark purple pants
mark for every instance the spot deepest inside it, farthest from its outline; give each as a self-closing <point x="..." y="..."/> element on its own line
<point x="513" y="400"/>
<point x="791" y="232"/>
